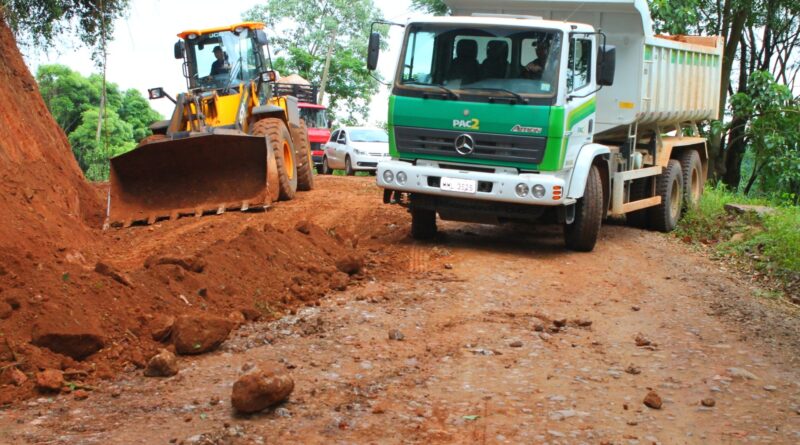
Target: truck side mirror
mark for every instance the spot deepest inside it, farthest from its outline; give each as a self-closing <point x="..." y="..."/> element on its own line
<point x="373" y="50"/>
<point x="179" y="49"/>
<point x="261" y="37"/>
<point x="606" y="65"/>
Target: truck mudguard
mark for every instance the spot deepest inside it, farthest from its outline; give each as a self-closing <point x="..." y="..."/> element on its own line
<point x="583" y="163"/>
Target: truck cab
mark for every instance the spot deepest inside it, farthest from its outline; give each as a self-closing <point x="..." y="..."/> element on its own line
<point x="521" y="117"/>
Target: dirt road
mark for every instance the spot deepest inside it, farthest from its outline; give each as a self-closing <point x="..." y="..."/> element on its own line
<point x="506" y="338"/>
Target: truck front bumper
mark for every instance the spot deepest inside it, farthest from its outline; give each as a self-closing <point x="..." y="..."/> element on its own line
<point x="491" y="186"/>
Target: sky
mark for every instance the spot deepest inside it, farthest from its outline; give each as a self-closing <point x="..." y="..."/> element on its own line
<point x="141" y="57"/>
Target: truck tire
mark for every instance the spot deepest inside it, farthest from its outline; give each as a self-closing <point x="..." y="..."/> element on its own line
<point x="280" y="140"/>
<point x="305" y="166"/>
<point x="693" y="180"/>
<point x="423" y="223"/>
<point x="581" y="235"/>
<point x="669" y="186"/>
<point x="640" y="189"/>
<point x="348" y="167"/>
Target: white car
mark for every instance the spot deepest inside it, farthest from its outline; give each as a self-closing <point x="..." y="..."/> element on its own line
<point x="355" y="149"/>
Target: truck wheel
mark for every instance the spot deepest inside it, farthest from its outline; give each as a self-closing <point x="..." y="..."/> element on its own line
<point x="693" y="180"/>
<point x="581" y="235"/>
<point x="640" y="189"/>
<point x="326" y="168"/>
<point x="348" y="167"/>
<point x="423" y="223"/>
<point x="305" y="174"/>
<point x="280" y="141"/>
<point x="669" y="185"/>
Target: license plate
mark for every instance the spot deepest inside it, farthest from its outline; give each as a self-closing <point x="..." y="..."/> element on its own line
<point x="459" y="185"/>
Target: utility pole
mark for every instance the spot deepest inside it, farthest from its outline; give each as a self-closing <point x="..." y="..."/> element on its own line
<point x="327" y="65"/>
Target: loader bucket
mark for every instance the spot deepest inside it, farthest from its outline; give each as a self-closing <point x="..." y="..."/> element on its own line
<point x="191" y="176"/>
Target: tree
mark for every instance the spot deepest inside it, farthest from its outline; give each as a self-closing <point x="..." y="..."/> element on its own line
<point x="301" y="38"/>
<point x="117" y="138"/>
<point x="436" y="7"/>
<point x="73" y="100"/>
<point x="41" y="21"/>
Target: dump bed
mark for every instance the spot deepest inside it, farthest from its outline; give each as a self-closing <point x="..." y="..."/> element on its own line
<point x="659" y="79"/>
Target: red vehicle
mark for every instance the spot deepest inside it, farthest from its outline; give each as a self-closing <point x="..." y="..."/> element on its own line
<point x="315" y="116"/>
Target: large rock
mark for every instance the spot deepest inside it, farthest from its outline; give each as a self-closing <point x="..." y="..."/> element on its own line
<point x="71" y="336"/>
<point x="196" y="334"/>
<point x="161" y="327"/>
<point x="260" y="390"/>
<point x="163" y="364"/>
<point x="50" y="380"/>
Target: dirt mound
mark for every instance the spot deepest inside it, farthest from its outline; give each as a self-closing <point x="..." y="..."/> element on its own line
<point x="44" y="197"/>
<point x="261" y="273"/>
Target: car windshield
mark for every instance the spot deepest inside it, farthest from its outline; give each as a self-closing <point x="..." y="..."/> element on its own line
<point x="314" y="117"/>
<point x="523" y="61"/>
<point x="223" y="58"/>
<point x="368" y="135"/>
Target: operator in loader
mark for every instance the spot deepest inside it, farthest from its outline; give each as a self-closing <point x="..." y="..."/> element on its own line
<point x="220" y="66"/>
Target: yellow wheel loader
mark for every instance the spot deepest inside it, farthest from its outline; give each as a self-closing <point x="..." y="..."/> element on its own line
<point x="230" y="144"/>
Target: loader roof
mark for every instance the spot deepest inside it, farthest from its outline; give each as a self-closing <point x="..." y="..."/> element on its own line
<point x="200" y="32"/>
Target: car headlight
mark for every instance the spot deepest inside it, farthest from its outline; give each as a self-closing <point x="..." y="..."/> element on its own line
<point x="401" y="178"/>
<point x="521" y="189"/>
<point x="538" y="191"/>
<point x="388" y="176"/>
<point x="358" y="152"/>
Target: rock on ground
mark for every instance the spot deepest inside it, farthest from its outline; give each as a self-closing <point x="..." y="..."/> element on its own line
<point x="161" y="327"/>
<point x="50" y="380"/>
<point x="68" y="336"/>
<point x="163" y="364"/>
<point x="196" y="334"/>
<point x="652" y="400"/>
<point x="259" y="390"/>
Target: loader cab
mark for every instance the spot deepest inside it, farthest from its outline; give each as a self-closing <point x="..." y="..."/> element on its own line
<point x="221" y="59"/>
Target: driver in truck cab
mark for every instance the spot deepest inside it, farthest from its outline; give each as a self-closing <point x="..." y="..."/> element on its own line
<point x="535" y="68"/>
<point x="220" y="66"/>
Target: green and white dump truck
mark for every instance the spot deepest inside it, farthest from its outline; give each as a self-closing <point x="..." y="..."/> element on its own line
<point x="567" y="111"/>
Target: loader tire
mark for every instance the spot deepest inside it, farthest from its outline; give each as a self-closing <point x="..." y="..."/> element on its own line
<point x="582" y="234"/>
<point x="669" y="185"/>
<point x="152" y="138"/>
<point x="305" y="166"/>
<point x="693" y="180"/>
<point x="279" y="140"/>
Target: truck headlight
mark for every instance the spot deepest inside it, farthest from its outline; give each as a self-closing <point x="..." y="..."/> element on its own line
<point x="538" y="191"/>
<point x="521" y="189"/>
<point x="388" y="176"/>
<point x="401" y="178"/>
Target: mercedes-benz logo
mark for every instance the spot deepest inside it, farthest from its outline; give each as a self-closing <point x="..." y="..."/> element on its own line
<point x="464" y="144"/>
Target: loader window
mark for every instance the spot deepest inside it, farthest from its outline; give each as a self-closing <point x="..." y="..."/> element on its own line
<point x="223" y="59"/>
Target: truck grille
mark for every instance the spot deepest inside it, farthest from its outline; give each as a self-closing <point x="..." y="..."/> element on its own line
<point x="490" y="147"/>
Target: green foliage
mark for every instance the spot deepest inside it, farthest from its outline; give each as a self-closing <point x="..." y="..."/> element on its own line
<point x="772" y="241"/>
<point x="116" y="138"/>
<point x="300" y="38"/>
<point x="435" y="7"/>
<point x="73" y="100"/>
<point x="772" y="133"/>
<point x="41" y="21"/>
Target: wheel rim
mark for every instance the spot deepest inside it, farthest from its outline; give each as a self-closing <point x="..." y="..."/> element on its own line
<point x="675" y="199"/>
<point x="695" y="185"/>
<point x="288" y="160"/>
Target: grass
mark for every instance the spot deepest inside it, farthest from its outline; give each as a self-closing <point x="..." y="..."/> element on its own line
<point x="771" y="242"/>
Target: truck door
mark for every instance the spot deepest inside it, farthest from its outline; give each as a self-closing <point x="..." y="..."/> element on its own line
<point x="580" y="106"/>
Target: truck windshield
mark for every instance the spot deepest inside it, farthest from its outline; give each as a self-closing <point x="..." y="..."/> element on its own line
<point x="522" y="61"/>
<point x="223" y="58"/>
<point x="314" y="117"/>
